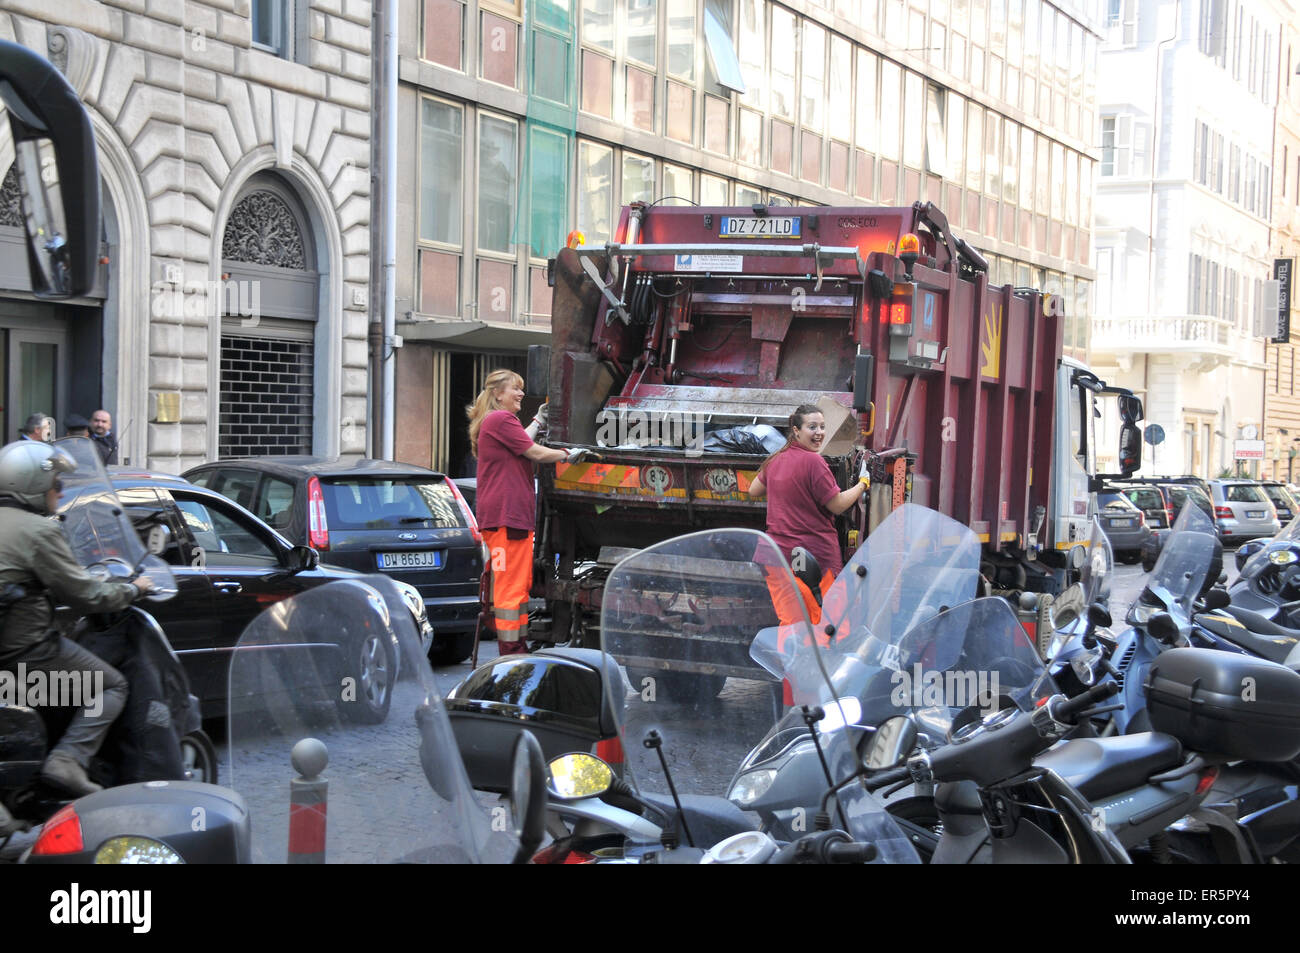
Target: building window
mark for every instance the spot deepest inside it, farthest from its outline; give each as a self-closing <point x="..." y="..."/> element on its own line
<point x="723" y="62"/>
<point x="643" y="31"/>
<point x="681" y="38"/>
<point x="498" y="162"/>
<point x="441" y="172"/>
<point x="596" y="191"/>
<point x="443" y="37"/>
<point x="936" y="144"/>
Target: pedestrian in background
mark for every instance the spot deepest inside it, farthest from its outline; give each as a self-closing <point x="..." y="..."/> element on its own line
<point x="37" y="428"/>
<point x="101" y="431"/>
<point x="76" y="426"/>
<point x="506" y="498"/>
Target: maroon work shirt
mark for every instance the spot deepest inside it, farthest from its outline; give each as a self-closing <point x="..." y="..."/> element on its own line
<point x="799" y="485"/>
<point x="505" y="495"/>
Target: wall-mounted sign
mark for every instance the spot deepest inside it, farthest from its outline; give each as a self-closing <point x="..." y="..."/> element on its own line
<point x="1248" y="450"/>
<point x="1282" y="272"/>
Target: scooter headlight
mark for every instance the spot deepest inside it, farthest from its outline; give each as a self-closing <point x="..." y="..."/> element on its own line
<point x="751" y="786"/>
<point x="136" y="850"/>
<point x="1282" y="557"/>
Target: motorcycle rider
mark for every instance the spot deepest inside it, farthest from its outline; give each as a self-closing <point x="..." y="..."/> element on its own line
<point x="36" y="569"/>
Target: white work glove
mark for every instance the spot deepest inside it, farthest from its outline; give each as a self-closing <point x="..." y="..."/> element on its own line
<point x="578" y="454"/>
<point x="543" y="417"/>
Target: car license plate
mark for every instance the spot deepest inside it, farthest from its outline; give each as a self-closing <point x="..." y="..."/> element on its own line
<point x="1121" y="524"/>
<point x="1254" y="514"/>
<point x="759" y="226"/>
<point x="423" y="559"/>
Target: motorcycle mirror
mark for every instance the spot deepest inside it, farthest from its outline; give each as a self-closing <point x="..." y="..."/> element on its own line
<point x="571" y="777"/>
<point x="527" y="794"/>
<point x="1217" y="598"/>
<point x="1099" y="615"/>
<point x="891" y="744"/>
<point x="1163" y="628"/>
<point x="1246" y="551"/>
<point x="1078" y="556"/>
<point x="1068" y="606"/>
<point x="807" y="570"/>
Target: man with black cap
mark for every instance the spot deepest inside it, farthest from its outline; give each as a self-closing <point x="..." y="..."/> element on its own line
<point x="76" y="426"/>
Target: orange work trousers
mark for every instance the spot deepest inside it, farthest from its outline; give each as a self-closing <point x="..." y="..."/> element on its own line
<point x="512" y="578"/>
<point x="790" y="613"/>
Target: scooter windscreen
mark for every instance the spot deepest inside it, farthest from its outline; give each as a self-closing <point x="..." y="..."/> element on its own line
<point x="1190" y="556"/>
<point x="914" y="565"/>
<point x="333" y="686"/>
<point x="973" y="656"/>
<point x="1098" y="567"/>
<point x="679" y="618"/>
<point x="101" y="536"/>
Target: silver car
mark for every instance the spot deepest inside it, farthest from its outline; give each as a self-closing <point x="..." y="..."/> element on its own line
<point x="1242" y="512"/>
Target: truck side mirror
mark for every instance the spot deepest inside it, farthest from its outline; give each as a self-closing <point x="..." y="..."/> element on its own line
<point x="1130" y="408"/>
<point x="538" y="380"/>
<point x="1130" y="449"/>
<point x="58" y="176"/>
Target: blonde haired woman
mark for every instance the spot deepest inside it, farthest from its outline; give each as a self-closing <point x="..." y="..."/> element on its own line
<point x="506" y="501"/>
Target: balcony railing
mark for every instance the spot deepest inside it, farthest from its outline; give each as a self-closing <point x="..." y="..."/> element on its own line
<point x="1164" y="334"/>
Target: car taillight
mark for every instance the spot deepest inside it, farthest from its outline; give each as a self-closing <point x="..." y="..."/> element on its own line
<point x="470" y="521"/>
<point x="318" y="531"/>
<point x="1170" y="511"/>
<point x="61" y="834"/>
<point x="1223" y="512"/>
<point x="551" y="854"/>
<point x="1142" y="518"/>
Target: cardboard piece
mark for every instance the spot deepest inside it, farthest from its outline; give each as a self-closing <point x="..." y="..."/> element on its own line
<point x="841" y="427"/>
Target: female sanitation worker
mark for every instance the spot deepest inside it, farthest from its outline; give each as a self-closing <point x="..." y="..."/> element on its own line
<point x="802" y="501"/>
<point x="505" y="500"/>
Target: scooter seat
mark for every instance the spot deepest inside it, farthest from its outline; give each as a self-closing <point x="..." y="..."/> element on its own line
<point x="1099" y="767"/>
<point x="711" y="819"/>
<point x="1261" y="636"/>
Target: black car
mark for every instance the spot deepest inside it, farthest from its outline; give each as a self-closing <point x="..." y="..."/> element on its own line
<point x="405" y="521"/>
<point x="229" y="566"/>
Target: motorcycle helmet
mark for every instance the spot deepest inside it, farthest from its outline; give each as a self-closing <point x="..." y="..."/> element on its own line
<point x="29" y="470"/>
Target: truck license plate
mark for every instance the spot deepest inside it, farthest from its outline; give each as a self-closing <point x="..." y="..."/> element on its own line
<point x="425" y="559"/>
<point x="759" y="226"/>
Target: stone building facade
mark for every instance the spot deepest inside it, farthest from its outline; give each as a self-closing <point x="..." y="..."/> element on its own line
<point x="1281" y="399"/>
<point x="231" y="312"/>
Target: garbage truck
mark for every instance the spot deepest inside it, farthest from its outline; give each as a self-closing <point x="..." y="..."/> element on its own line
<point x="680" y="347"/>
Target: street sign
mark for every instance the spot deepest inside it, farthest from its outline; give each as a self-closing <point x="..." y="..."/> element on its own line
<point x="1248" y="450"/>
<point x="1154" y="434"/>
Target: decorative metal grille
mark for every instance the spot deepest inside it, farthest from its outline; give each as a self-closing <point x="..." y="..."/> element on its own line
<point x="263" y="230"/>
<point x="266" y="397"/>
<point x="11" y="206"/>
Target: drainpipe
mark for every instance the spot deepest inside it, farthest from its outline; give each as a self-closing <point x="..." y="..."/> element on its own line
<point x="391" y="341"/>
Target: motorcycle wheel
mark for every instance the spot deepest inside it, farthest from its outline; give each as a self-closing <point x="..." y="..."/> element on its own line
<point x="371" y="666"/>
<point x="199" y="757"/>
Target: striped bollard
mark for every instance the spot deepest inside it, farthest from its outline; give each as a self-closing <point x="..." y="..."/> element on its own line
<point x="308" y="796"/>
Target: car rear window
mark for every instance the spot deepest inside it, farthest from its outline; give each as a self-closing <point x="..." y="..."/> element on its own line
<point x="1278" y="496"/>
<point x="1242" y="493"/>
<point x="1114" y="501"/>
<point x="1147" y="499"/>
<point x="401" y="502"/>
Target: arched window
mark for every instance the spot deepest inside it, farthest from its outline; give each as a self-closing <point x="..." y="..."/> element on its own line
<point x="269" y="299"/>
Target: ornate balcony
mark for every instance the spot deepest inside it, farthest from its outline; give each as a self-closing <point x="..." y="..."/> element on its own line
<point x="1206" y="342"/>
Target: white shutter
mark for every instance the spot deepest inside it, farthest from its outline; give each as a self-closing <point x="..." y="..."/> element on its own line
<point x="1123" y="145"/>
<point x="1268" y="319"/>
<point x="1130" y="22"/>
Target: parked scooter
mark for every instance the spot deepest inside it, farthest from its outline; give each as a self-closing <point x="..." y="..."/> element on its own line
<point x="158" y="735"/>
<point x="392" y="792"/>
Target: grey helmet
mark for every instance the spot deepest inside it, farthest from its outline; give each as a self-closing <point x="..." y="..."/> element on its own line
<point x="29" y="469"/>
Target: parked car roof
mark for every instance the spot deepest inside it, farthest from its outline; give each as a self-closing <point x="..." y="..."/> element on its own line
<point x="320" y="466"/>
